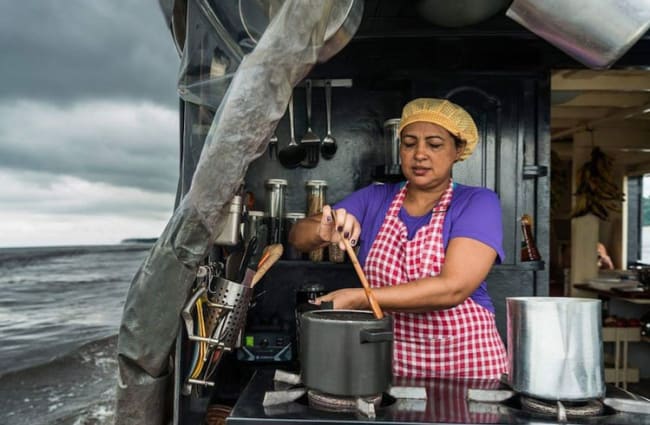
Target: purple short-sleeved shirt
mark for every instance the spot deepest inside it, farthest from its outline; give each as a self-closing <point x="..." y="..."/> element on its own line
<point x="474" y="212"/>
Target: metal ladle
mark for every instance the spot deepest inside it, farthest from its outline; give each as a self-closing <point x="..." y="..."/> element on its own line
<point x="292" y="155"/>
<point x="328" y="145"/>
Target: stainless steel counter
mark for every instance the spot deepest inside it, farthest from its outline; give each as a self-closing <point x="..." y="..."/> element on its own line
<point x="445" y="404"/>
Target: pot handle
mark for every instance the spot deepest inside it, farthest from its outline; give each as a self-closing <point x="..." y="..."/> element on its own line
<point x="375" y="335"/>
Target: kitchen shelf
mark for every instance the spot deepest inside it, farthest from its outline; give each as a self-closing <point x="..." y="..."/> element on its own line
<point x="613" y="334"/>
<point x="621" y="372"/>
<point x="631" y="297"/>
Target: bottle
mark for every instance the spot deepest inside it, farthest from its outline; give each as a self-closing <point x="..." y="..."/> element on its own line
<point x="529" y="250"/>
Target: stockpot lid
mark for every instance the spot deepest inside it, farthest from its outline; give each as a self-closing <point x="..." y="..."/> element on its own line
<point x="347" y="316"/>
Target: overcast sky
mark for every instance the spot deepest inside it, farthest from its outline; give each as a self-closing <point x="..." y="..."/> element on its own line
<point x="88" y="121"/>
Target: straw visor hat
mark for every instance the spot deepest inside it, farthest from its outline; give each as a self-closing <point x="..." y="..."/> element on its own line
<point x="447" y="115"/>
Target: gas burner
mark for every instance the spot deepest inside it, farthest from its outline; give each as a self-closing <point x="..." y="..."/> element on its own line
<point x="562" y="408"/>
<point x="333" y="403"/>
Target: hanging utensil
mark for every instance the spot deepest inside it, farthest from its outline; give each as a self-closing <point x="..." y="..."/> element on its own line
<point x="374" y="305"/>
<point x="292" y="155"/>
<point x="328" y="146"/>
<point x="273" y="147"/>
<point x="310" y="140"/>
<point x="249" y="250"/>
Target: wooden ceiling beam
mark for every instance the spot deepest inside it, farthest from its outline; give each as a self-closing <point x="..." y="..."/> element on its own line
<point x="588" y="80"/>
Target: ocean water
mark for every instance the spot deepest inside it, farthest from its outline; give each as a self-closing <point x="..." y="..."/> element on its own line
<point x="60" y="310"/>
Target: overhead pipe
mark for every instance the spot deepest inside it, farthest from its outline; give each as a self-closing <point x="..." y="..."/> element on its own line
<point x="620" y="115"/>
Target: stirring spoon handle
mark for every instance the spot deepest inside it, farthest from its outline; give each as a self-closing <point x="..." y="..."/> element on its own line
<point x="374" y="305"/>
<point x="328" y="105"/>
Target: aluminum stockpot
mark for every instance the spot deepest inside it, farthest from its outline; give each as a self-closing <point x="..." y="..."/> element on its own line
<point x="346" y="352"/>
<point x="555" y="347"/>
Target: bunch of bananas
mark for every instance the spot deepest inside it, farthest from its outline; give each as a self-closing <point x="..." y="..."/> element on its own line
<point x="596" y="193"/>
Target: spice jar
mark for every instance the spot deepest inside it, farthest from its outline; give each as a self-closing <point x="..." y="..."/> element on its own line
<point x="274" y="208"/>
<point x="290" y="252"/>
<point x="315" y="201"/>
<point x="336" y="254"/>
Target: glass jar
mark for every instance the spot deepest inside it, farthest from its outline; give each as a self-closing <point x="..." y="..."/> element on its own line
<point x="256" y="225"/>
<point x="290" y="252"/>
<point x="315" y="201"/>
<point x="336" y="254"/>
<point x="274" y="208"/>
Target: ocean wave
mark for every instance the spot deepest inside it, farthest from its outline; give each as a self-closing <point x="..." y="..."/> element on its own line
<point x="16" y="257"/>
<point x="75" y="389"/>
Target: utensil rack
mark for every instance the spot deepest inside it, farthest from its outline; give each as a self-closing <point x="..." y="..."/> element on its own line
<point x="335" y="82"/>
<point x="220" y="314"/>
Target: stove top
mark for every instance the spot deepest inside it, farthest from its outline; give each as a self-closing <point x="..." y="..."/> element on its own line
<point x="446" y="403"/>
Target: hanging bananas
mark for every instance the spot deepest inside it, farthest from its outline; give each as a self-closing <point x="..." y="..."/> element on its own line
<point x="596" y="192"/>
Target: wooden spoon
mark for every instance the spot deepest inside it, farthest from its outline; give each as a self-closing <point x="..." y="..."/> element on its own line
<point x="271" y="254"/>
<point x="374" y="305"/>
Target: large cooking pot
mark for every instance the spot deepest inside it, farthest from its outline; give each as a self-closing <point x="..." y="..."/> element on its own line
<point x="595" y="32"/>
<point x="346" y="352"/>
<point x="555" y="347"/>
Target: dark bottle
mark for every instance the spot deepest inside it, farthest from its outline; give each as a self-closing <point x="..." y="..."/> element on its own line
<point x="529" y="250"/>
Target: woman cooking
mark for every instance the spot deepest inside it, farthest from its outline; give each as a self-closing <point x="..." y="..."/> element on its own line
<point x="426" y="246"/>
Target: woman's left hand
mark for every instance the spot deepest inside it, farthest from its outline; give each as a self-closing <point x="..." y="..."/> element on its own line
<point x="346" y="299"/>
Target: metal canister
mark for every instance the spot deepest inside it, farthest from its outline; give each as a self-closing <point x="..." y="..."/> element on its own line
<point x="290" y="252"/>
<point x="229" y="235"/>
<point x="315" y="201"/>
<point x="274" y="208"/>
<point x="391" y="146"/>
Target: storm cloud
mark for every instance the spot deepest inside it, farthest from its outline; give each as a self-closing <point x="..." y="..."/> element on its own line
<point x="89" y="121"/>
<point x="66" y="51"/>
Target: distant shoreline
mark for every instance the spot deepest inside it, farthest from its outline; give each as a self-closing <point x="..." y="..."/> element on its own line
<point x="139" y="240"/>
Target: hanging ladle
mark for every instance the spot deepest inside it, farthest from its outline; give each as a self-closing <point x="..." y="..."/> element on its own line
<point x="292" y="155"/>
<point x="328" y="145"/>
<point x="374" y="305"/>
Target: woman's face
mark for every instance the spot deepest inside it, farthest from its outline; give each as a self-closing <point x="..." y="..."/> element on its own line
<point x="428" y="153"/>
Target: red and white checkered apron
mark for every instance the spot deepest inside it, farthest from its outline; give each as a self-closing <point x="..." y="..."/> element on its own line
<point x="457" y="342"/>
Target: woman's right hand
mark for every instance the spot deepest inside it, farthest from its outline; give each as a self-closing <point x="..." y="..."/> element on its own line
<point x="346" y="224"/>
